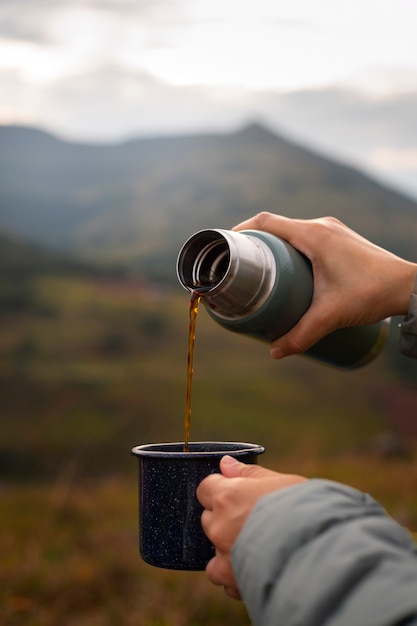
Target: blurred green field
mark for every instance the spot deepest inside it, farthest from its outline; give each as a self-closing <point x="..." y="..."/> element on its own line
<point x="90" y="368"/>
<point x="69" y="553"/>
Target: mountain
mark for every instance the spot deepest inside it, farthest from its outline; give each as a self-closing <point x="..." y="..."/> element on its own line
<point x="136" y="202"/>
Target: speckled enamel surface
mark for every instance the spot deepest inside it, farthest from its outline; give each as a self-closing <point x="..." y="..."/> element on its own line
<point x="170" y="532"/>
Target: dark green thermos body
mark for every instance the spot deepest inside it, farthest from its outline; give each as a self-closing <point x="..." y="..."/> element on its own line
<point x="254" y="283"/>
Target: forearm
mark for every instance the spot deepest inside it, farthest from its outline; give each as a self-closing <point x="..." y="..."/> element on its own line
<point x="320" y="553"/>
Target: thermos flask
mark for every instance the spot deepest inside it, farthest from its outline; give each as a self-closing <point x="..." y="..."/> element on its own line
<point x="254" y="283"/>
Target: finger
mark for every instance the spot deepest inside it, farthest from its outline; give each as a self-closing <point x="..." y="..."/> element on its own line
<point x="279" y="225"/>
<point x="219" y="571"/>
<point x="206" y="520"/>
<point x="232" y="468"/>
<point x="207" y="488"/>
<point x="261" y="221"/>
<point x="232" y="592"/>
<point x="306" y="333"/>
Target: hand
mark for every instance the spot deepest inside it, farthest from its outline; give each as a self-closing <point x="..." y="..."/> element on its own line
<point x="355" y="281"/>
<point x="228" y="498"/>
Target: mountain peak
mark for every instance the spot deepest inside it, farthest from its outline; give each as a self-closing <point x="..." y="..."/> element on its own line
<point x="66" y="198"/>
<point x="255" y="131"/>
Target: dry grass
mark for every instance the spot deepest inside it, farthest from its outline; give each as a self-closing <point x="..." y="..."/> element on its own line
<point x="70" y="557"/>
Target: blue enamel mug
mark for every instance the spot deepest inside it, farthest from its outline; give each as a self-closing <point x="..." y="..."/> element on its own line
<point x="170" y="531"/>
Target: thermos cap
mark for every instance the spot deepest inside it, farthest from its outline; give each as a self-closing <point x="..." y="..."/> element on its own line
<point x="235" y="271"/>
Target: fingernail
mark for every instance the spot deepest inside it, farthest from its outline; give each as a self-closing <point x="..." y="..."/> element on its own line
<point x="229" y="460"/>
<point x="276" y="353"/>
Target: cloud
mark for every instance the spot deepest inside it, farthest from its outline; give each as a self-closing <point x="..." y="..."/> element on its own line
<point x="30" y="20"/>
<point x="389" y="158"/>
<point x="377" y="134"/>
<point x="22" y="20"/>
<point x="111" y="102"/>
<point x="82" y="69"/>
<point x="347" y="118"/>
<point x="127" y="100"/>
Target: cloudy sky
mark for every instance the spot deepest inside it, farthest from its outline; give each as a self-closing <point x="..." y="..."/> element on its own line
<point x="339" y="76"/>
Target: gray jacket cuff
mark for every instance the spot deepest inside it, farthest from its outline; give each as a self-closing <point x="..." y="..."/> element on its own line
<point x="408" y="327"/>
<point x="322" y="553"/>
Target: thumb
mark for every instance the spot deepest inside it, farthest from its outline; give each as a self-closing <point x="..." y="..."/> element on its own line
<point x="308" y="331"/>
<point x="231" y="468"/>
<point x="288" y="345"/>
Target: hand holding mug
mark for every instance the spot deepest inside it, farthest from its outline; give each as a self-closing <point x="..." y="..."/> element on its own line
<point x="228" y="499"/>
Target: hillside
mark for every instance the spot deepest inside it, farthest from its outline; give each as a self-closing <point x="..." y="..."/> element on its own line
<point x="23" y="259"/>
<point x="21" y="264"/>
<point x="136" y="202"/>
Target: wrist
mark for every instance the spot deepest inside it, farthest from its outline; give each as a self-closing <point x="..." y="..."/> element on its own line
<point x="408" y="287"/>
<point x="408" y="327"/>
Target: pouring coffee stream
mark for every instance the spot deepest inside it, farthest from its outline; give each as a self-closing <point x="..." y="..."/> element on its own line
<point x="196" y="295"/>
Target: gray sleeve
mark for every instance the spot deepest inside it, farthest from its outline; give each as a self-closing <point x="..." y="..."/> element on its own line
<point x="323" y="554"/>
<point x="408" y="327"/>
